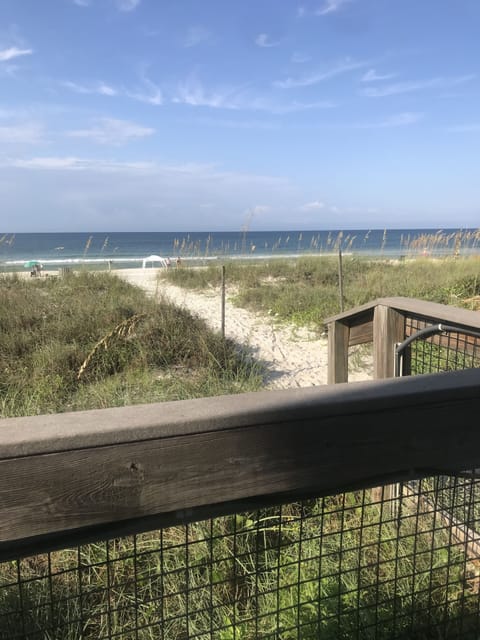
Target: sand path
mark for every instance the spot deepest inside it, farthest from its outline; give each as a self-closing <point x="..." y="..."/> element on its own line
<point x="294" y="357"/>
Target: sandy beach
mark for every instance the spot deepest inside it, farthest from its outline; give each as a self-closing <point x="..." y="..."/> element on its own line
<point x="294" y="357"/>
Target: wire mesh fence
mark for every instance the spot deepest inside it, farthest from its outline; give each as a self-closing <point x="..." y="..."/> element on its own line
<point x="370" y="564"/>
<point x="336" y="567"/>
<point x="449" y="351"/>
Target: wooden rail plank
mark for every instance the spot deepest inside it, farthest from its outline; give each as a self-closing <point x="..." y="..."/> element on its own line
<point x="433" y="311"/>
<point x="361" y="333"/>
<point x="99" y="467"/>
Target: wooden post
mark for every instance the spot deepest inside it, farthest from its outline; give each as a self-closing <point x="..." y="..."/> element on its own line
<point x="223" y="301"/>
<point x="388" y="329"/>
<point x="340" y="278"/>
<point x="338" y="338"/>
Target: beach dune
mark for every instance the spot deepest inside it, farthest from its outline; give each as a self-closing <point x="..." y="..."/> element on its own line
<point x="293" y="356"/>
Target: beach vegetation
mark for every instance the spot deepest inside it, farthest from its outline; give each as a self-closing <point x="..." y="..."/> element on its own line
<point x="91" y="340"/>
<point x="305" y="291"/>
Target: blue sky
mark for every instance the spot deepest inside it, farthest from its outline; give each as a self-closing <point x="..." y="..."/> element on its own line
<point x="212" y="114"/>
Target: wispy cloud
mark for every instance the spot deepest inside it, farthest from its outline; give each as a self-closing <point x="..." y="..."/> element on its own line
<point x="127" y="5"/>
<point x="13" y="52"/>
<point x="216" y="122"/>
<point x="113" y="131"/>
<point x="98" y="192"/>
<point x="24" y="133"/>
<point x="295" y="106"/>
<point x="331" y="6"/>
<point x="121" y="5"/>
<point x="398" y="120"/>
<point x="372" y="76"/>
<point x="264" y="41"/>
<point x="149" y="92"/>
<point x="196" y="35"/>
<point x="72" y="163"/>
<point x="421" y="85"/>
<point x="402" y="119"/>
<point x="316" y="205"/>
<point x="314" y="78"/>
<point x="99" y="88"/>
<point x="193" y="93"/>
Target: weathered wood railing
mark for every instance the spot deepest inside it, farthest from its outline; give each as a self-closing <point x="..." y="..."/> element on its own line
<point x="382" y="322"/>
<point x="73" y="477"/>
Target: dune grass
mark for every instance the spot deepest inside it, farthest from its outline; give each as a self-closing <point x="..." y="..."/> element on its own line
<point x="305" y="291"/>
<point x="93" y="341"/>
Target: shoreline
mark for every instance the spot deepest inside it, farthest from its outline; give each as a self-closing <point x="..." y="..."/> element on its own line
<point x="120" y="264"/>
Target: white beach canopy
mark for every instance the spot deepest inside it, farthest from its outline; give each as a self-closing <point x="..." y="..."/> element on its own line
<point x="152" y="259"/>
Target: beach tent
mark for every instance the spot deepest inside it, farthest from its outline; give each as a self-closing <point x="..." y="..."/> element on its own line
<point x="152" y="259"/>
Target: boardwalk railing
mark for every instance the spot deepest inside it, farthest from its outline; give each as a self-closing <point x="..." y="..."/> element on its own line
<point x="339" y="511"/>
<point x="387" y="322"/>
<point x="244" y="516"/>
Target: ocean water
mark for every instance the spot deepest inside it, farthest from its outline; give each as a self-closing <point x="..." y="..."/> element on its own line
<point x="128" y="249"/>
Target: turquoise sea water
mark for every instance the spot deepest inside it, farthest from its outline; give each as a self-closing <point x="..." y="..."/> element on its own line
<point x="128" y="249"/>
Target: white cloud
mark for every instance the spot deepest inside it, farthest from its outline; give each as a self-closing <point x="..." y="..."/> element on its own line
<point x="113" y="131"/>
<point x="314" y="78"/>
<point x="106" y="90"/>
<point x="25" y="133"/>
<point x="316" y="205"/>
<point x="398" y="120"/>
<point x="127" y="5"/>
<point x="295" y="106"/>
<point x="331" y="6"/>
<point x="103" y="193"/>
<point x="263" y="40"/>
<point x="195" y="36"/>
<point x="408" y="87"/>
<point x="100" y="88"/>
<point x="150" y="93"/>
<point x="69" y="163"/>
<point x="121" y="5"/>
<point x="193" y="93"/>
<point x="237" y="124"/>
<point x="372" y="76"/>
<point x="13" y="52"/>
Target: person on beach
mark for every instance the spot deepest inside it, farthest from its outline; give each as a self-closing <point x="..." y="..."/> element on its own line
<point x="168" y="263"/>
<point x="178" y="261"/>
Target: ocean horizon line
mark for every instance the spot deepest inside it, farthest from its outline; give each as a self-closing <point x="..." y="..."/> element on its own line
<point x="130" y="248"/>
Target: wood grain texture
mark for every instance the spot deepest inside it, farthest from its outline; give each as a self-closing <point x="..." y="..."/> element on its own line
<point x="338" y="339"/>
<point x="320" y="440"/>
<point x="388" y="330"/>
